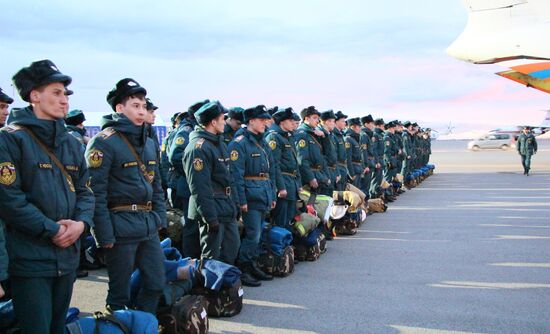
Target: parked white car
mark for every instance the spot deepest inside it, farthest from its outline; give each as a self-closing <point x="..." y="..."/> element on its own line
<point x="491" y="141"/>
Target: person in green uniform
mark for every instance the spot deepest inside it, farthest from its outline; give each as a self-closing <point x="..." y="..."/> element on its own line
<point x="287" y="175"/>
<point x="5" y="102"/>
<point x="166" y="170"/>
<point x="252" y="167"/>
<point x="377" y="142"/>
<point x="398" y="138"/>
<point x="408" y="155"/>
<point x="45" y="203"/>
<point x="232" y="123"/>
<point x="212" y="205"/>
<point x="190" y="238"/>
<point x="328" y="143"/>
<point x="130" y="206"/>
<point x="526" y="146"/>
<point x="75" y="124"/>
<point x="341" y="154"/>
<point x="353" y="151"/>
<point x="391" y="152"/>
<point x="369" y="163"/>
<point x="313" y="166"/>
<point x="150" y="118"/>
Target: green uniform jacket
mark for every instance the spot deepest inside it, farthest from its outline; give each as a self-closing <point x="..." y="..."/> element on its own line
<point x="310" y="155"/>
<point x="341" y="154"/>
<point x="526" y="144"/>
<point x="377" y="141"/>
<point x="34" y="195"/>
<point x="251" y="157"/>
<point x="175" y="155"/>
<point x="367" y="149"/>
<point x="287" y="173"/>
<point x="3" y="254"/>
<point x="391" y="150"/>
<point x="117" y="181"/>
<point x="355" y="162"/>
<point x="407" y="145"/>
<point x="206" y="163"/>
<point x="328" y="142"/>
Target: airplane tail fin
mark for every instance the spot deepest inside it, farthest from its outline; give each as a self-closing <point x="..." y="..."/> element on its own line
<point x="546" y="121"/>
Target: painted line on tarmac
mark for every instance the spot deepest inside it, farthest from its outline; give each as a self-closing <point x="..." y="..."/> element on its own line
<point x="272" y="304"/>
<point x="519" y="237"/>
<point x="422" y="330"/>
<point x="522" y="264"/>
<point x="510" y="225"/>
<point x="489" y="285"/>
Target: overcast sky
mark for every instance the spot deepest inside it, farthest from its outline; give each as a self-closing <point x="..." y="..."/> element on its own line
<point x="386" y="58"/>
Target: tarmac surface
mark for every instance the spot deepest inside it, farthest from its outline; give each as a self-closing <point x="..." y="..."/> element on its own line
<point x="467" y="251"/>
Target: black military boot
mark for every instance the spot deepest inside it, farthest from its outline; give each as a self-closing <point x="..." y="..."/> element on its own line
<point x="247" y="279"/>
<point x="259" y="274"/>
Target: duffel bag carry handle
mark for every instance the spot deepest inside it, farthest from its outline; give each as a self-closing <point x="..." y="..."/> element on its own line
<point x="99" y="317"/>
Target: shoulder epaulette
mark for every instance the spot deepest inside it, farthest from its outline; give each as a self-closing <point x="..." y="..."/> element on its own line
<point x="107" y="132"/>
<point x="199" y="143"/>
<point x="239" y="138"/>
<point x="11" y="128"/>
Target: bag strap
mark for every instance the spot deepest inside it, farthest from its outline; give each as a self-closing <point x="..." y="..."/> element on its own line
<point x="52" y="156"/>
<point x="140" y="163"/>
<point x="312" y="197"/>
<point x="99" y="317"/>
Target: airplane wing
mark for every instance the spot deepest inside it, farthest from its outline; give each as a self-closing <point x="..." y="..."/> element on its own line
<point x="531" y="73"/>
<point x="511" y="33"/>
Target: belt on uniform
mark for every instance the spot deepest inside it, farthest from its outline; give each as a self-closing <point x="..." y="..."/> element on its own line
<point x="357" y="162"/>
<point x="132" y="207"/>
<point x="332" y="167"/>
<point x="223" y="191"/>
<point x="342" y="163"/>
<point x="316" y="168"/>
<point x="259" y="177"/>
<point x="293" y="174"/>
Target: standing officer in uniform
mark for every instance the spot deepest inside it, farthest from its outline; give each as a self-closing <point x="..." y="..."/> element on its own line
<point x="149" y="122"/>
<point x="190" y="237"/>
<point x="166" y="171"/>
<point x="75" y="124"/>
<point x="313" y="167"/>
<point x="130" y="206"/>
<point x="251" y="168"/>
<point x="211" y="206"/>
<point x="369" y="163"/>
<point x="527" y="146"/>
<point x="355" y="158"/>
<point x="341" y="154"/>
<point x="5" y="101"/>
<point x="328" y="143"/>
<point x="408" y="155"/>
<point x="44" y="200"/>
<point x="232" y="124"/>
<point x="391" y="152"/>
<point x="377" y="143"/>
<point x="287" y="174"/>
<point x="398" y="138"/>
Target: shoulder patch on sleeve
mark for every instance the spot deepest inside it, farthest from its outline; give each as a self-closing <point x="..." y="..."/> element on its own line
<point x="107" y="132"/>
<point x="239" y="138"/>
<point x="272" y="144"/>
<point x="198" y="164"/>
<point x="199" y="143"/>
<point x="234" y="155"/>
<point x="348" y="145"/>
<point x="7" y="173"/>
<point x="180" y="141"/>
<point x="94" y="158"/>
<point x="302" y="143"/>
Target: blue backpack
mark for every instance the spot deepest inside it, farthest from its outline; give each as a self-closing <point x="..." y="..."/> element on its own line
<point x="121" y="322"/>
